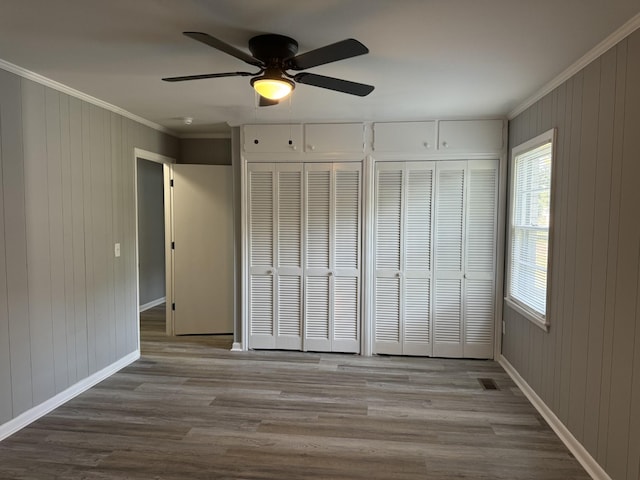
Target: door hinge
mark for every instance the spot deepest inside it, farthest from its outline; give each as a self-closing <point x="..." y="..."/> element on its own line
<point x="173" y="245"/>
<point x="173" y="306"/>
<point x="171" y="182"/>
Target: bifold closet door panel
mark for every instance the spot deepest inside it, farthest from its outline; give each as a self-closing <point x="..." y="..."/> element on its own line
<point x="332" y="257"/>
<point x="318" y="233"/>
<point x="288" y="256"/>
<point x="480" y="259"/>
<point x="416" y="274"/>
<point x="403" y="232"/>
<point x="261" y="288"/>
<point x="346" y="260"/>
<point x="275" y="255"/>
<point x="389" y="179"/>
<point x="449" y="258"/>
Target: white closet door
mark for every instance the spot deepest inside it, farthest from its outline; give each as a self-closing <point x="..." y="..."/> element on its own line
<point x="416" y="269"/>
<point x="449" y="259"/>
<point x="389" y="179"/>
<point x="332" y="257"/>
<point x="480" y="259"/>
<point x="317" y="256"/>
<point x="261" y="288"/>
<point x="345" y="268"/>
<point x="403" y="226"/>
<point x="288" y="253"/>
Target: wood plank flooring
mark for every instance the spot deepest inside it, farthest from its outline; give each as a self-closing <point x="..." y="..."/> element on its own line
<point x="191" y="409"/>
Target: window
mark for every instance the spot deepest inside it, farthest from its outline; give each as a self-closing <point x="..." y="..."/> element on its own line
<point x="529" y="227"/>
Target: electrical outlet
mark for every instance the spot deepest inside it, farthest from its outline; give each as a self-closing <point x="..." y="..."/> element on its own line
<point x="116" y="249"/>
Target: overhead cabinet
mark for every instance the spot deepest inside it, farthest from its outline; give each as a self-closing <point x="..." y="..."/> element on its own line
<point x="404" y="137"/>
<point x="304" y="225"/>
<point x="272" y="138"/>
<point x="334" y="138"/>
<point x="434" y="258"/>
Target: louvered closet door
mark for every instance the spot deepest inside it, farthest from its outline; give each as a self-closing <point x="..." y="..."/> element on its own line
<point x="275" y="255"/>
<point x="416" y="271"/>
<point x="332" y="257"/>
<point x="261" y="230"/>
<point x="449" y="258"/>
<point x="389" y="179"/>
<point x="403" y="231"/>
<point x="480" y="259"/>
<point x="288" y="256"/>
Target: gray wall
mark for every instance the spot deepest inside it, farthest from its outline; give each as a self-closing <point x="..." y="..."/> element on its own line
<point x="151" y="267"/>
<point x="67" y="305"/>
<point x="205" y="151"/>
<point x="587" y="368"/>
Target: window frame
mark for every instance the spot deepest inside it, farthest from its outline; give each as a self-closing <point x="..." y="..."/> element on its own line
<point x="528" y="312"/>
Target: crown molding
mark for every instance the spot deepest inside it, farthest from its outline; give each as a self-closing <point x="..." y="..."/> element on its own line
<point x="47" y="82"/>
<point x="205" y="135"/>
<point x="620" y="34"/>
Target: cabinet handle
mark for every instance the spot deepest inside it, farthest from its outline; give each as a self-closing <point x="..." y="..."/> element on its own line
<point x="272" y="271"/>
<point x="312" y="147"/>
<point x="398" y="274"/>
<point x="445" y="144"/>
<point x="293" y="147"/>
<point x="330" y="274"/>
<point x="426" y="144"/>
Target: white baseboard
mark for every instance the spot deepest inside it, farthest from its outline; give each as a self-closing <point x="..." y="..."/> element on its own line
<point x="236" y="347"/>
<point x="152" y="303"/>
<point x="31" y="415"/>
<point x="575" y="447"/>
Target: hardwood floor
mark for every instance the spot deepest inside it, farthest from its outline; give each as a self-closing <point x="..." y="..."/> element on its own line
<point x="190" y="408"/>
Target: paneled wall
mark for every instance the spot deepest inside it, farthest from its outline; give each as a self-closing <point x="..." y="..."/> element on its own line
<point x="587" y="367"/>
<point x="67" y="305"/>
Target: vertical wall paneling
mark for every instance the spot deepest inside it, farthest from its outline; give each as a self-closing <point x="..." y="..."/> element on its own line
<point x="78" y="236"/>
<point x="586" y="367"/>
<point x="627" y="278"/>
<point x="6" y="407"/>
<point x="584" y="244"/>
<point x="596" y="306"/>
<point x="56" y="241"/>
<point x="38" y="240"/>
<point x="67" y="238"/>
<point x="67" y="308"/>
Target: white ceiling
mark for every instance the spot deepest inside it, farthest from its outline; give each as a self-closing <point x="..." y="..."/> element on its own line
<point x="428" y="58"/>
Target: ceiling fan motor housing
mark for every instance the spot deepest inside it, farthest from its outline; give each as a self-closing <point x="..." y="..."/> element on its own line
<point x="272" y="49"/>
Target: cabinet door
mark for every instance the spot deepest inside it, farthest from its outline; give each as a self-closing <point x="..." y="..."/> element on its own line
<point x="332" y="257"/>
<point x="449" y="258"/>
<point x="470" y="136"/>
<point x="404" y="137"/>
<point x="272" y="138"/>
<point x="480" y="259"/>
<point x="334" y="137"/>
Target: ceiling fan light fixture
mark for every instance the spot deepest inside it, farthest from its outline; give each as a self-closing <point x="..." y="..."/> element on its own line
<point x="273" y="88"/>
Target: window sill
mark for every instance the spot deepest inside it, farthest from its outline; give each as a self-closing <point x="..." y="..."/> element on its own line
<point x="537" y="321"/>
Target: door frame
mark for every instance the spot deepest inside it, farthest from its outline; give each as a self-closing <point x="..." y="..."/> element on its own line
<point x="167" y="175"/>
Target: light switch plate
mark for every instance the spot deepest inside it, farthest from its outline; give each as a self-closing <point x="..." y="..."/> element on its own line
<point x="116" y="249"/>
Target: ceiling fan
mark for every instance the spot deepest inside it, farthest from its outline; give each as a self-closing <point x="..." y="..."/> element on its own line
<point x="274" y="55"/>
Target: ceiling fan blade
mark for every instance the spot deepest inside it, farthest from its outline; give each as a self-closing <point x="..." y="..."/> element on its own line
<point x="331" y="53"/>
<point x="209" y="75"/>
<point x="344" y="86"/>
<point x="223" y="47"/>
<point x="266" y="102"/>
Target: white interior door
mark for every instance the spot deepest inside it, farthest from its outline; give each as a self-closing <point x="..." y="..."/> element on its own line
<point x="203" y="255"/>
